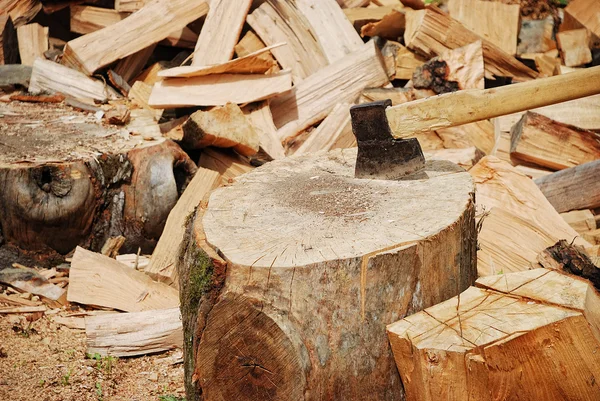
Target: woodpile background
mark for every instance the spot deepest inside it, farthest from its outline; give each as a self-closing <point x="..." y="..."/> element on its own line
<point x="118" y="119"/>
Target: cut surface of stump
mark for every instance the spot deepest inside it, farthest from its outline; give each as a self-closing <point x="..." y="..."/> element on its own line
<point x="527" y="335"/>
<point x="68" y="180"/>
<point x="317" y="263"/>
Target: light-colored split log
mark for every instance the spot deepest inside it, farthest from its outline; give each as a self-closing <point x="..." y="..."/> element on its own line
<point x="492" y="20"/>
<point x="586" y="13"/>
<point x="20" y="11"/>
<point x="259" y="115"/>
<point x="478" y="345"/>
<point x="403" y="60"/>
<point x="252" y="63"/>
<point x="220" y="32"/>
<point x="429" y="31"/>
<point x="334" y="32"/>
<point x="479" y="135"/>
<point x="218" y="90"/>
<point x="129" y="6"/>
<point x="139" y="94"/>
<point x="163" y="262"/>
<point x="335" y="125"/>
<point x="464" y="157"/>
<point x="223" y="127"/>
<point x="593" y="236"/>
<point x="524" y="224"/>
<point x="574" y="49"/>
<point x="532" y="172"/>
<point x="251" y="43"/>
<point x="536" y="36"/>
<point x="573" y="188"/>
<point x="396" y="95"/>
<point x="311" y="100"/>
<point x="135" y="333"/>
<point x="539" y="140"/>
<point x="33" y="42"/>
<point x="53" y="77"/>
<point x="100" y="48"/>
<point x="95" y="279"/>
<point x="279" y="21"/>
<point x="580" y="220"/>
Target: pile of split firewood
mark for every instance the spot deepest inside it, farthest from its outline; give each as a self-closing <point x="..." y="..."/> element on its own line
<point x="121" y="117"/>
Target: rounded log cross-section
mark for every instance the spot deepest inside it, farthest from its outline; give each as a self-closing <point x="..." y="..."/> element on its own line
<point x="69" y="180"/>
<point x="317" y="263"/>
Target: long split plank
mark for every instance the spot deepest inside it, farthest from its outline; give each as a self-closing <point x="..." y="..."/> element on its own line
<point x="135" y="333"/>
<point x="313" y="99"/>
<point x="217" y="90"/>
<point x="221" y="31"/>
<point x="33" y="42"/>
<point x="90" y="52"/>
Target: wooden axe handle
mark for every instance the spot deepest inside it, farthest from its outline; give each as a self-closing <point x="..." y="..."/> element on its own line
<point x="467" y="106"/>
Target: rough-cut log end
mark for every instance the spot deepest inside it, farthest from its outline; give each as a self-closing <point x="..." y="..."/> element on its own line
<point x="248" y="350"/>
<point x="318" y="262"/>
<point x="68" y="180"/>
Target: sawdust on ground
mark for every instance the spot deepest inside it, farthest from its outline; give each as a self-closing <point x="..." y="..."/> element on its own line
<point x="44" y="361"/>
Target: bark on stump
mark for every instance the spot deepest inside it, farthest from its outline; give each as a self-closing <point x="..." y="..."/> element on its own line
<point x="313" y="264"/>
<point x="68" y="180"/>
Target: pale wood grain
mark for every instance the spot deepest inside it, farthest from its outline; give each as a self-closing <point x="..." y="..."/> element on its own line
<point x="33" y="42"/>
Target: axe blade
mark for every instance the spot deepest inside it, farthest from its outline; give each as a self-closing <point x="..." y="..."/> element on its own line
<point x="380" y="155"/>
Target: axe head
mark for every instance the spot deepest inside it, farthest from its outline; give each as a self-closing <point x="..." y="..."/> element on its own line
<point x="380" y="155"/>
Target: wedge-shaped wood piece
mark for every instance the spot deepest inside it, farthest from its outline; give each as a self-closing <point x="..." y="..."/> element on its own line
<point x="593" y="236"/>
<point x="574" y="49"/>
<point x="131" y="66"/>
<point x="391" y="26"/>
<point x="580" y="220"/>
<point x="33" y="42"/>
<point x="163" y="262"/>
<point x="539" y="140"/>
<point x="332" y="29"/>
<point x="259" y="115"/>
<point x="139" y="94"/>
<point x="95" y="279"/>
<point x="95" y="50"/>
<point x="223" y="127"/>
<point x="219" y="89"/>
<point x="585" y="12"/>
<point x="476" y="346"/>
<point x="252" y="63"/>
<point x="53" y="77"/>
<point x="573" y="188"/>
<point x="479" y="135"/>
<point x="220" y="31"/>
<point x="433" y="113"/>
<point x="278" y="21"/>
<point x="312" y="100"/>
<point x="428" y="32"/>
<point x="324" y="137"/>
<point x="31" y="281"/>
<point x="135" y="333"/>
<point x="251" y="43"/>
<point x="228" y="163"/>
<point x="404" y="61"/>
<point x="20" y="11"/>
<point x="9" y="50"/>
<point x="492" y="20"/>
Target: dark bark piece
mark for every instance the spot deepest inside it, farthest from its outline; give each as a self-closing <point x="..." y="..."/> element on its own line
<point x="9" y="47"/>
<point x="572" y="260"/>
<point x="433" y="75"/>
<point x="81" y="183"/>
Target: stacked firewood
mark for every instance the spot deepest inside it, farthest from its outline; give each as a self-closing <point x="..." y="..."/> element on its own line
<point x="167" y="100"/>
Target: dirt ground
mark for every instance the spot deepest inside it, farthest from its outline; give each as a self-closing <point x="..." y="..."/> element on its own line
<point x="44" y="361"/>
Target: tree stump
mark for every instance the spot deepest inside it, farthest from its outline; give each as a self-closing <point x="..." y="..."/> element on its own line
<point x="529" y="335"/>
<point x="68" y="180"/>
<point x="292" y="273"/>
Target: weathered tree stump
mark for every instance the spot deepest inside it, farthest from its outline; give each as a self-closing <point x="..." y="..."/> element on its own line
<point x="313" y="264"/>
<point x="68" y="180"/>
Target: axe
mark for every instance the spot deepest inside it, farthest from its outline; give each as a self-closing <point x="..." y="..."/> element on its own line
<point x="385" y="150"/>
